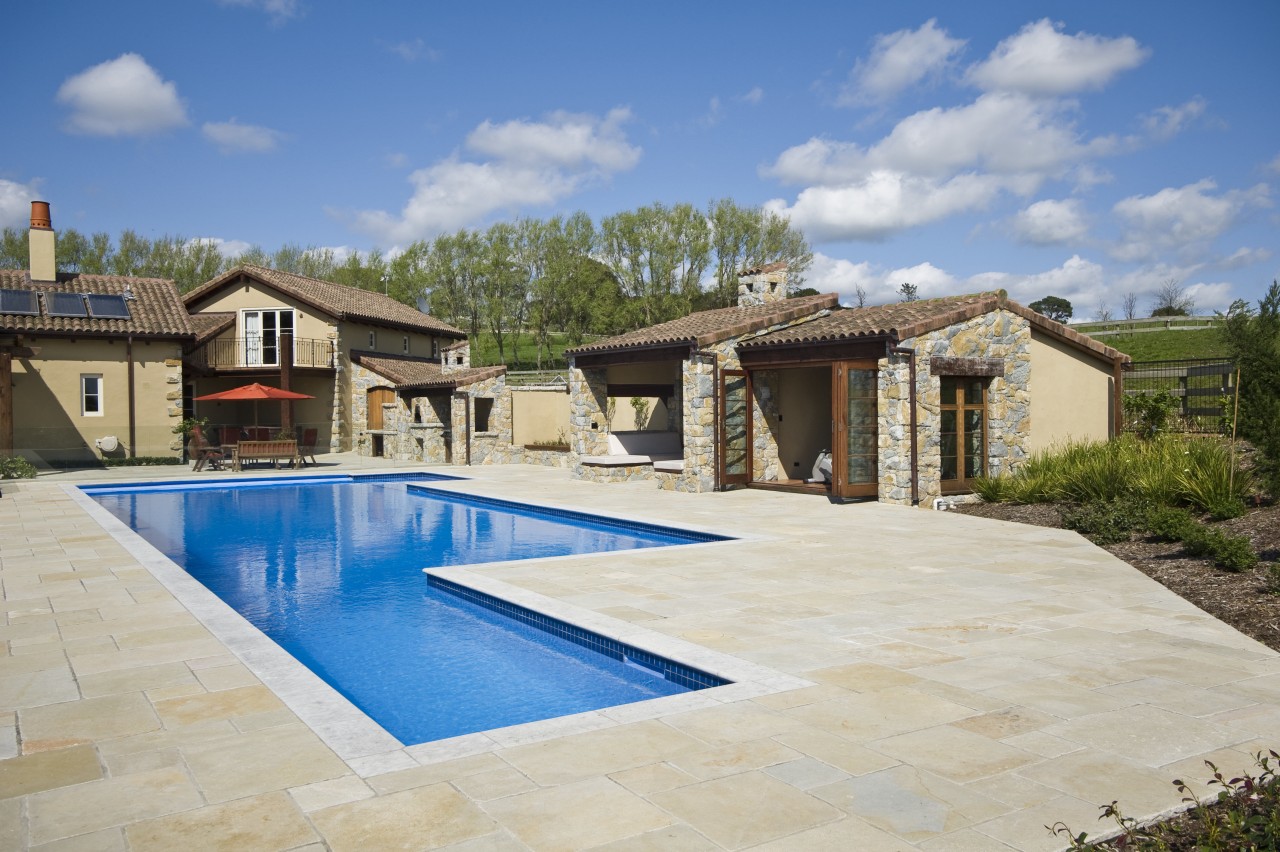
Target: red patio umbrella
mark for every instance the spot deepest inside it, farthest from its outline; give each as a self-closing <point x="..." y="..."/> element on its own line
<point x="254" y="392"/>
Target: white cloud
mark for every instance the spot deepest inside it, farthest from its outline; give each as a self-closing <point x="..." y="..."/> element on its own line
<point x="1051" y="222"/>
<point x="884" y="202"/>
<point x="1183" y="219"/>
<point x="15" y="203"/>
<point x="1274" y="165"/>
<point x="397" y="159"/>
<point x="714" y="114"/>
<point x="279" y="10"/>
<point x="563" y="140"/>
<point x="1081" y="282"/>
<point x="755" y="96"/>
<point x="1244" y="256"/>
<point x="1002" y="133"/>
<point x="899" y="60"/>
<point x="532" y="164"/>
<point x="232" y="137"/>
<point x="1168" y="121"/>
<point x="122" y="97"/>
<point x="837" y="275"/>
<point x="226" y="248"/>
<point x="1042" y="60"/>
<point x="412" y="51"/>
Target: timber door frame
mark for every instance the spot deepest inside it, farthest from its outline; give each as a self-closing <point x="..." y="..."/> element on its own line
<point x="745" y="477"/>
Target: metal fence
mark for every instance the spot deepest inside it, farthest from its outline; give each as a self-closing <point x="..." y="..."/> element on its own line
<point x="1205" y="389"/>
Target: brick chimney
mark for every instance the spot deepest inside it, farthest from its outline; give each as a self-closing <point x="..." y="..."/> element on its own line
<point x="762" y="285"/>
<point x="41" y="239"/>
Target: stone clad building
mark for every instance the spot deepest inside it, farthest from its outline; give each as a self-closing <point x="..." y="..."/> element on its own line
<point x="905" y="402"/>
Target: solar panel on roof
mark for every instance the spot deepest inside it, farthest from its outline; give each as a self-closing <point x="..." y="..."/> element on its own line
<point x="19" y="302"/>
<point x="65" y="305"/>
<point x="106" y="306"/>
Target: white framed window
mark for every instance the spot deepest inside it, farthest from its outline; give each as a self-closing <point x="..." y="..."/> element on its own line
<point x="262" y="330"/>
<point x="406" y="344"/>
<point x="91" y="394"/>
<point x="373" y="340"/>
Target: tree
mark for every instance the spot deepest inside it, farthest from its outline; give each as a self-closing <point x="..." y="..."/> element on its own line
<point x="1129" y="304"/>
<point x="1102" y="313"/>
<point x="1053" y="307"/>
<point x="1172" y="300"/>
<point x="748" y="237"/>
<point x="659" y="254"/>
<point x="908" y="292"/>
<point x="1253" y="339"/>
<point x="860" y="294"/>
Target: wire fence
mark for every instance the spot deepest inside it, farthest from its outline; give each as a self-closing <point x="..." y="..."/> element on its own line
<point x="1203" y="388"/>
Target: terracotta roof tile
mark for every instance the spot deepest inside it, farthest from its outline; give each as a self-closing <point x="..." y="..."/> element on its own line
<point x="156" y="309"/>
<point x="905" y="320"/>
<point x="707" y="327"/>
<point x="211" y="324"/>
<point x="337" y="300"/>
<point x="422" y="374"/>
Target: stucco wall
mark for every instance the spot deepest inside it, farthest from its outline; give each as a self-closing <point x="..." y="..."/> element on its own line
<point x="1071" y="395"/>
<point x="539" y="416"/>
<point x="47" y="419"/>
<point x="308" y="322"/>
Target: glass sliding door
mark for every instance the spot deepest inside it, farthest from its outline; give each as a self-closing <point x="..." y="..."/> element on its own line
<point x="262" y="330"/>
<point x="735" y="428"/>
<point x="856" y="461"/>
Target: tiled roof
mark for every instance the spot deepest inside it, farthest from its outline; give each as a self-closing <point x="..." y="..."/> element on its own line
<point x="211" y="324"/>
<point x="156" y="309"/>
<point x="337" y="300"/>
<point x="905" y="320"/>
<point x="776" y="266"/>
<point x="422" y="374"/>
<point x="707" y="327"/>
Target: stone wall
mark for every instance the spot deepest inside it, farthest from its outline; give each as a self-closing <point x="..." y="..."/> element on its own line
<point x="999" y="334"/>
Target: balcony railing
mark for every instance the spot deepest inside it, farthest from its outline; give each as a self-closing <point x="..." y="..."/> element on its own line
<point x="239" y="353"/>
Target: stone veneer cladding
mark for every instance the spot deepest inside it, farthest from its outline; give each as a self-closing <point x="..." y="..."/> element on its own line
<point x="999" y="334"/>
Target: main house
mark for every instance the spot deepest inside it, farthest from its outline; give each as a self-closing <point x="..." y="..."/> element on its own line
<point x="906" y="402"/>
<point x="90" y="365"/>
<point x="305" y="335"/>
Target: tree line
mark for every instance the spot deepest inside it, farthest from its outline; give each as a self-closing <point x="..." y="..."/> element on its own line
<point x="541" y="277"/>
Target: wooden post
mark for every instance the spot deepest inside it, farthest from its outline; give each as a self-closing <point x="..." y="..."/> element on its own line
<point x="6" y="401"/>
<point x="286" y="378"/>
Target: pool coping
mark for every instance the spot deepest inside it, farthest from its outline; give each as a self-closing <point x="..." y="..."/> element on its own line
<point x="366" y="747"/>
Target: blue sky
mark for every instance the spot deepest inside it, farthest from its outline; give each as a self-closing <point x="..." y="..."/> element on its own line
<point x="1079" y="149"/>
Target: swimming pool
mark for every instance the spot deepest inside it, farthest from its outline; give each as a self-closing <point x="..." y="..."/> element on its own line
<point x="331" y="569"/>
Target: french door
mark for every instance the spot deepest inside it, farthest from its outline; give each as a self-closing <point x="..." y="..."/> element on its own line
<point x="262" y="330"/>
<point x="855" y="460"/>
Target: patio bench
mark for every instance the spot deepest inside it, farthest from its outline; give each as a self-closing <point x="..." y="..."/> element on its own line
<point x="640" y="447"/>
<point x="272" y="451"/>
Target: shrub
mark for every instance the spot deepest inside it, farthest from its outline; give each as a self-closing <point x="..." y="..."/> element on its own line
<point x="1232" y="552"/>
<point x="16" y="467"/>
<point x="1105" y="523"/>
<point x="1169" y="523"/>
<point x="993" y="489"/>
<point x="141" y="461"/>
<point x="1149" y="414"/>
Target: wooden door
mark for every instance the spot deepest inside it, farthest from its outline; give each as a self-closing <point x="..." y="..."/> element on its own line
<point x="375" y="399"/>
<point x="855" y="457"/>
<point x="735" y="428"/>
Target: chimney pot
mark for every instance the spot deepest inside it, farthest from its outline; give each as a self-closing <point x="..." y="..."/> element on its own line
<point x="40" y="215"/>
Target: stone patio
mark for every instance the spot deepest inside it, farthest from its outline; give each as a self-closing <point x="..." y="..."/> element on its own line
<point x="913" y="680"/>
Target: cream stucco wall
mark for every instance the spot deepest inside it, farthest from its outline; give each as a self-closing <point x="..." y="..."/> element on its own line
<point x="308" y="322"/>
<point x="48" y="423"/>
<point x="539" y="417"/>
<point x="1071" y="394"/>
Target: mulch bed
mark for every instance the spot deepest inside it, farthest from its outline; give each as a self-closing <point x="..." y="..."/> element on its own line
<point x="1242" y="600"/>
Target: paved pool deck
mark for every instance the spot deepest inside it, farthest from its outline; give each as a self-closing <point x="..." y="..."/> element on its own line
<point x="907" y="680"/>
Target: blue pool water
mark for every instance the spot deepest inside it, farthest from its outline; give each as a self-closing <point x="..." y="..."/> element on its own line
<point x="332" y="571"/>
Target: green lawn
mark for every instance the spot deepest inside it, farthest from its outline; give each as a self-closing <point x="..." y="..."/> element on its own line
<point x="1168" y="345"/>
<point x="484" y="352"/>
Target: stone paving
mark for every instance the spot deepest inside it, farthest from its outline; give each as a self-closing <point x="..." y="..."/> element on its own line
<point x="941" y="683"/>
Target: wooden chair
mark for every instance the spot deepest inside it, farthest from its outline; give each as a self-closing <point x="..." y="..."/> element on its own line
<point x="203" y="452"/>
<point x="307" y="447"/>
<point x="230" y="435"/>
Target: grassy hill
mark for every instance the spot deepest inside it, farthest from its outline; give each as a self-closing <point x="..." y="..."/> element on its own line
<point x="1175" y="339"/>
